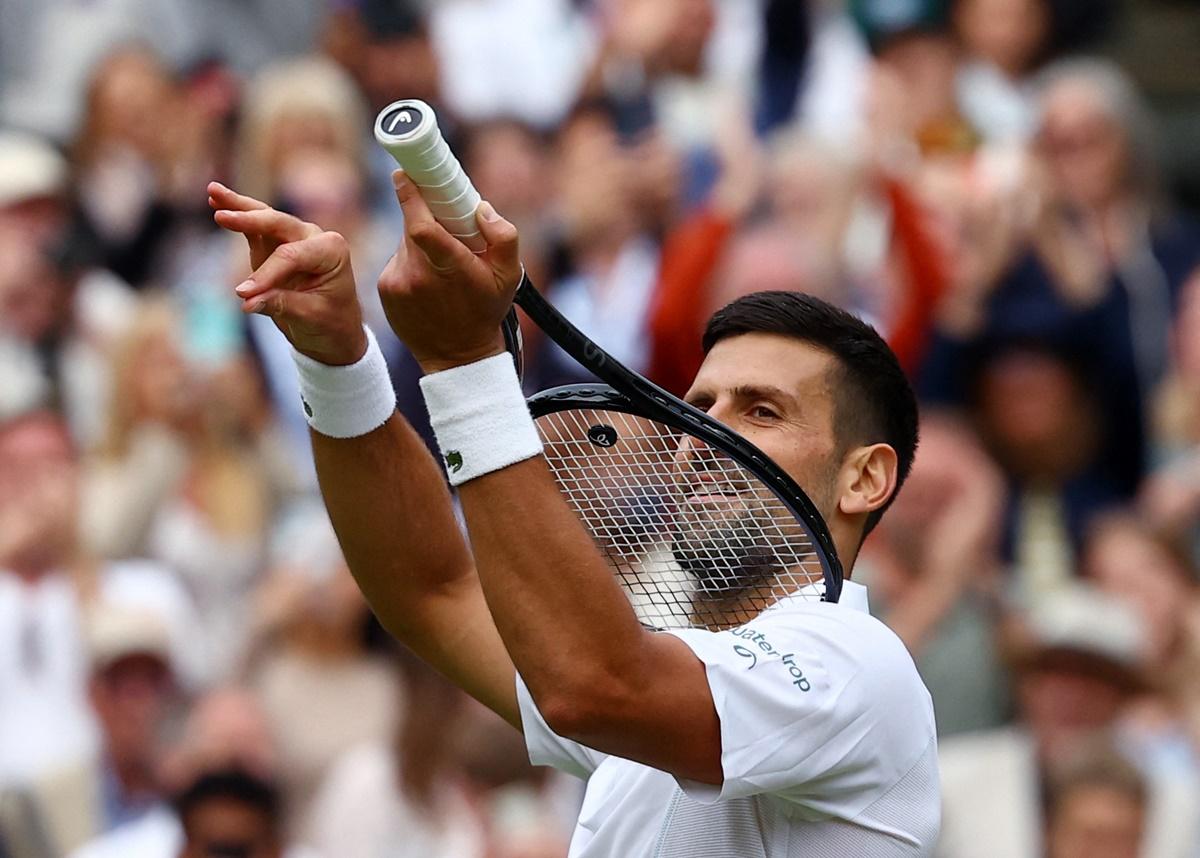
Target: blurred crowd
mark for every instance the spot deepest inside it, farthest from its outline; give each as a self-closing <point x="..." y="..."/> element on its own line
<point x="186" y="666"/>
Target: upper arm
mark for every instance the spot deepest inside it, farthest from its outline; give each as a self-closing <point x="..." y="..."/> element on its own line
<point x="659" y="711"/>
<point x="776" y="707"/>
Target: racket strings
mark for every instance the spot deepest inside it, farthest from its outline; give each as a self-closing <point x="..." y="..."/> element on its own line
<point x="693" y="537"/>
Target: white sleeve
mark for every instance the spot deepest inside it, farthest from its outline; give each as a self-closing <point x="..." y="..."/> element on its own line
<point x="547" y="748"/>
<point x="819" y="705"/>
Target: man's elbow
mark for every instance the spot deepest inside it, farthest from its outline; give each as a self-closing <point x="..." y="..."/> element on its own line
<point x="571" y="717"/>
<point x="582" y="711"/>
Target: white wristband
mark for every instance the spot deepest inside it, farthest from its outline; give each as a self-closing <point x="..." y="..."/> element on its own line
<point x="480" y="418"/>
<point x="346" y="401"/>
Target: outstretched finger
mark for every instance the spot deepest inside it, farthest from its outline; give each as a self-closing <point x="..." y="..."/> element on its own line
<point x="444" y="251"/>
<point x="266" y="222"/>
<point x="314" y="257"/>
<point x="221" y="197"/>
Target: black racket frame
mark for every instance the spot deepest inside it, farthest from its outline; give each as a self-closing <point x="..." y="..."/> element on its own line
<point x="625" y="391"/>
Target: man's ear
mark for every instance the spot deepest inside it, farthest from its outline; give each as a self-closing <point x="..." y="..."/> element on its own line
<point x="867" y="479"/>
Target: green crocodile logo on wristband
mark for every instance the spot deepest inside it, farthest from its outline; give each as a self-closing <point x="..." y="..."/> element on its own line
<point x="454" y="461"/>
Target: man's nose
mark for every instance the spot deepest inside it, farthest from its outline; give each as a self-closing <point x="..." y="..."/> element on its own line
<point x="691" y="451"/>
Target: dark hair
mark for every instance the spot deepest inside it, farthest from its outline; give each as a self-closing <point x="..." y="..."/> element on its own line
<point x="231" y="785"/>
<point x="873" y="400"/>
<point x="1096" y="765"/>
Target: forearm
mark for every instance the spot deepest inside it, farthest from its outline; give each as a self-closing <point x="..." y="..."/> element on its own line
<point x="564" y="619"/>
<point x="395" y="521"/>
<point x="394" y="518"/>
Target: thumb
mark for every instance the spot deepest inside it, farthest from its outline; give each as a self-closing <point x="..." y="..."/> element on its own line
<point x="503" y="252"/>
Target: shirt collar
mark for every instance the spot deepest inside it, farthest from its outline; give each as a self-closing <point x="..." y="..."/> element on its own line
<point x="854" y="596"/>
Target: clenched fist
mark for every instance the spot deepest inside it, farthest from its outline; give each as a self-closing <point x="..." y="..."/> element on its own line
<point x="445" y="302"/>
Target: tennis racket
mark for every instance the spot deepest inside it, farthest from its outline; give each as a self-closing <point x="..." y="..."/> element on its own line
<point x="701" y="528"/>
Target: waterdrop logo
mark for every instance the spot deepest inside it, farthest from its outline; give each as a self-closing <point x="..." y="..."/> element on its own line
<point x="746" y="652"/>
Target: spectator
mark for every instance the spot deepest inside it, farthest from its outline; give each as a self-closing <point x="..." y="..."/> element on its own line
<point x="911" y="92"/>
<point x="1101" y="266"/>
<point x="132" y="692"/>
<point x="1040" y="418"/>
<point x="934" y="570"/>
<point x="1004" y="41"/>
<point x="124" y="155"/>
<point x="1122" y="556"/>
<point x="188" y="476"/>
<point x="509" y="161"/>
<point x="51" y="51"/>
<point x="322" y="691"/>
<point x="292" y="107"/>
<point x="800" y="215"/>
<point x="1096" y="808"/>
<point x="407" y="796"/>
<point x="48" y="588"/>
<point x="387" y="49"/>
<point x="59" y="315"/>
<point x="1128" y="560"/>
<point x="614" y="262"/>
<point x="643" y="43"/>
<point x="1082" y="664"/>
<point x="1170" y="496"/>
<point x="230" y="813"/>
<point x="44" y="718"/>
<point x="224" y="731"/>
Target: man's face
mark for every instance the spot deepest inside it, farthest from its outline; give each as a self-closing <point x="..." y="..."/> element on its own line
<point x="1063" y="706"/>
<point x="225" y="828"/>
<point x="734" y="536"/>
<point x="775" y="392"/>
<point x="1095" y="821"/>
<point x="38" y="486"/>
<point x="131" y="698"/>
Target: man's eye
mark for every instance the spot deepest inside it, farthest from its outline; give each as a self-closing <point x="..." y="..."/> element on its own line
<point x="763" y="412"/>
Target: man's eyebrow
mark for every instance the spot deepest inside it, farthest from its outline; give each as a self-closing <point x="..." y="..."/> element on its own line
<point x="762" y="391"/>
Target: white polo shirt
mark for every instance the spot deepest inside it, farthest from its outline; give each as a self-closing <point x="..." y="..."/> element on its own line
<point x="828" y="749"/>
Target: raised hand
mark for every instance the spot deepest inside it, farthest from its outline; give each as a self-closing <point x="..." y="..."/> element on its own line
<point x="445" y="302"/>
<point x="302" y="278"/>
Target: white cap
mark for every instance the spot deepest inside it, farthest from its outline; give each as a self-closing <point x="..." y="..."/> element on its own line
<point x="29" y="168"/>
<point x="115" y="632"/>
<point x="1083" y="619"/>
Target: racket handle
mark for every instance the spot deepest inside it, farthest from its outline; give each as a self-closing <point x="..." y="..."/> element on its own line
<point x="408" y="130"/>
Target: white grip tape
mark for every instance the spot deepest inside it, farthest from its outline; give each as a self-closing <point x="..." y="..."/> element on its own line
<point x="480" y="418"/>
<point x="408" y="130"/>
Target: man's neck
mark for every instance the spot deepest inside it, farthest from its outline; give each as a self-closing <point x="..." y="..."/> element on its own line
<point x="134" y="779"/>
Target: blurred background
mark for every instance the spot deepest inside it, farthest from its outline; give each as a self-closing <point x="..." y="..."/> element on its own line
<point x="1001" y="186"/>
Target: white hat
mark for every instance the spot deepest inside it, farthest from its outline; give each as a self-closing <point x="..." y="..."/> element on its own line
<point x="115" y="631"/>
<point x="1083" y="619"/>
<point x="29" y="168"/>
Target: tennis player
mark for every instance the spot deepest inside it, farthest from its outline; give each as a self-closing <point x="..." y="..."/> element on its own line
<point x="806" y="732"/>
